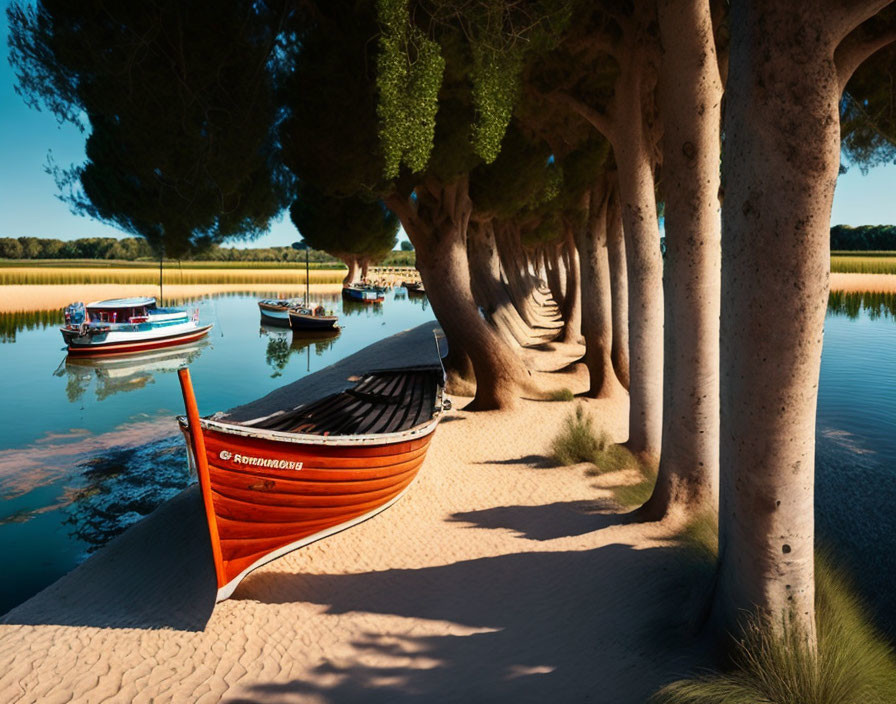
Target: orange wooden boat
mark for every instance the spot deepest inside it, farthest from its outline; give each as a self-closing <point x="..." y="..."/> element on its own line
<point x="273" y="484"/>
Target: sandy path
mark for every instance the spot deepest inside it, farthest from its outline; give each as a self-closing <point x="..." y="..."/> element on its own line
<point x="495" y="578"/>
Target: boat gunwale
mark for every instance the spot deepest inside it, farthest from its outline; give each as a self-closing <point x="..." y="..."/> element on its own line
<point x="367" y="439"/>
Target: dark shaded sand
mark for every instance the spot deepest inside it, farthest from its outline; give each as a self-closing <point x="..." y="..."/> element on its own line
<point x="497" y="578"/>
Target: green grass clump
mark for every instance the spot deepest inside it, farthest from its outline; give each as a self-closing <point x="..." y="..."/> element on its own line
<point x="577" y="442"/>
<point x="561" y="395"/>
<point x="854" y="664"/>
<point x="633" y="495"/>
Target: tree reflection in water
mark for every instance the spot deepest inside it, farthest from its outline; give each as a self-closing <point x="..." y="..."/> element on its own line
<point x="283" y="344"/>
<point x="876" y="305"/>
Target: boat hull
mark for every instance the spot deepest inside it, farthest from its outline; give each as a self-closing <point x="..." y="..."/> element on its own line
<point x="363" y="295"/>
<point x="277" y="318"/>
<point x="312" y="322"/>
<point x="265" y="497"/>
<point x="121" y="345"/>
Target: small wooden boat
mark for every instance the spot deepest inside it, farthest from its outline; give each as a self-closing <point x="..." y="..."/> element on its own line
<point x="127" y="326"/>
<point x="306" y="319"/>
<point x="362" y="293"/>
<point x="275" y="483"/>
<point x="414" y="287"/>
<point x="275" y="311"/>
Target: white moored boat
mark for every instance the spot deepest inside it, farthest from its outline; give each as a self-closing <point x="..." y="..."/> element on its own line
<point x="127" y="326"/>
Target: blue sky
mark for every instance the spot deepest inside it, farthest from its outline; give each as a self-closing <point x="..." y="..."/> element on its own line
<point x="29" y="206"/>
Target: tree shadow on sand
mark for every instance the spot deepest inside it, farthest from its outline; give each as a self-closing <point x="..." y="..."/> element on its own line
<point x="558" y="520"/>
<point x="578" y="626"/>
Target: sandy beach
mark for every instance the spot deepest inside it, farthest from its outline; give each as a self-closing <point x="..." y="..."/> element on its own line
<point x="861" y="283"/>
<point x="497" y="577"/>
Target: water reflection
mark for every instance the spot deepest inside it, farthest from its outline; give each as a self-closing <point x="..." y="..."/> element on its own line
<point x="876" y="305"/>
<point x="118" y="488"/>
<point x="351" y="307"/>
<point x="282" y="344"/>
<point x="11" y="323"/>
<point x="120" y="374"/>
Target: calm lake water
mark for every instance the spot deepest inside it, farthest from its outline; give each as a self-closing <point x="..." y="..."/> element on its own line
<point x="88" y="449"/>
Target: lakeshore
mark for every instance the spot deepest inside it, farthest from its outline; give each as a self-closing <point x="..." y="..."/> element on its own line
<point x="497" y="575"/>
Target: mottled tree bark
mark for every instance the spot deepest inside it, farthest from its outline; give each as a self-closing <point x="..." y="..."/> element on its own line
<point x="635" y="159"/>
<point x="782" y="156"/>
<point x="597" y="317"/>
<point x="690" y="94"/>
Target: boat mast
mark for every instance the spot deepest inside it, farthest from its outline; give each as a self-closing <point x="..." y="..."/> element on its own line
<point x="161" y="295"/>
<point x="307" y="279"/>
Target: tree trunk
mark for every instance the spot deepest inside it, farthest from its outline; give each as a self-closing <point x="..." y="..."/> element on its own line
<point x="645" y="282"/>
<point x="619" y="291"/>
<point x="572" y="301"/>
<point x="782" y="150"/>
<point x="365" y="268"/>
<point x="353" y="273"/>
<point x="437" y="227"/>
<point x="597" y="317"/>
<point x="690" y="94"/>
<point x="488" y="289"/>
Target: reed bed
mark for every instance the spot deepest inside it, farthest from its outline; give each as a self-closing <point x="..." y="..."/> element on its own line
<point x="864" y="263"/>
<point x="20" y="276"/>
<point x="169" y="264"/>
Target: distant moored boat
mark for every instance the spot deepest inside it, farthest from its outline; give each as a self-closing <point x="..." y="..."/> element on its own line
<point x="275" y="483"/>
<point x="363" y="293"/>
<point x="127" y="326"/>
<point x="275" y="311"/>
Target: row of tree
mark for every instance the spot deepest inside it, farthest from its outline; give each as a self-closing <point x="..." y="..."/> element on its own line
<point x="528" y="148"/>
<point x="138" y="249"/>
<point x="865" y="238"/>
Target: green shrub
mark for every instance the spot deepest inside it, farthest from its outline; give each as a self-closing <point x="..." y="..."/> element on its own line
<point x="854" y="664"/>
<point x="577" y="442"/>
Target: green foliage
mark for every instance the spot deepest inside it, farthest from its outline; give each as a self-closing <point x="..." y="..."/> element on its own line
<point x="496" y="77"/>
<point x="344" y="227"/>
<point x="181" y="119"/>
<point x="863" y="238"/>
<point x="854" y="664"/>
<point x="409" y="75"/>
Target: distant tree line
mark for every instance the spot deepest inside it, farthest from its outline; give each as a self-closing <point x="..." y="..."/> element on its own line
<point x="137" y="248"/>
<point x="864" y="238"/>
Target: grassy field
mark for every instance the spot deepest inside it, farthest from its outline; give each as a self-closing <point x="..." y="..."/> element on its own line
<point x="863" y="262"/>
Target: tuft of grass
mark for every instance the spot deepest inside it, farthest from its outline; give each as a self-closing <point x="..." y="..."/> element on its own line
<point x="561" y="395"/>
<point x="634" y="495"/>
<point x="577" y="442"/>
<point x="854" y="664"/>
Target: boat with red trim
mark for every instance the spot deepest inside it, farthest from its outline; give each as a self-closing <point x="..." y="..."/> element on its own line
<point x="128" y="326"/>
<point x="273" y="484"/>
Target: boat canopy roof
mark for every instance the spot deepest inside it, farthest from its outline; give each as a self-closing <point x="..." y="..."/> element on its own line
<point x="137" y="302"/>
